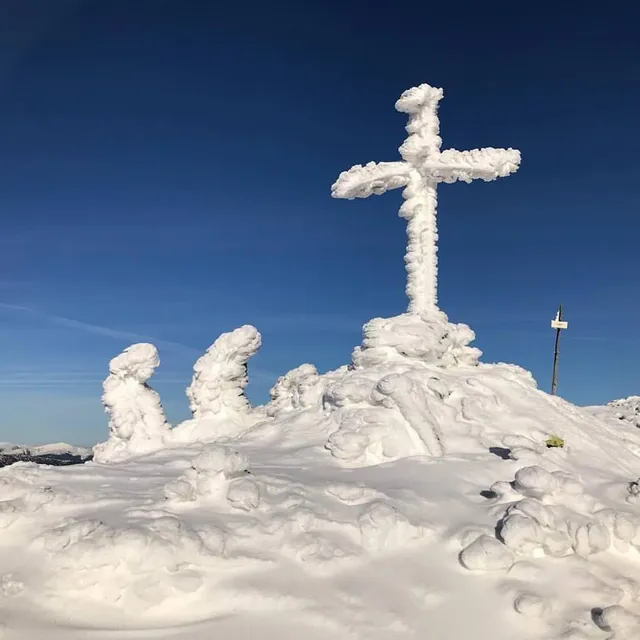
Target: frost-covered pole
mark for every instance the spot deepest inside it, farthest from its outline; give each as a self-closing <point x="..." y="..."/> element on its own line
<point x="558" y="324"/>
<point x="423" y="166"/>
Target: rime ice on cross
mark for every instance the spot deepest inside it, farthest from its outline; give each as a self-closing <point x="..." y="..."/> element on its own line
<point x="422" y="168"/>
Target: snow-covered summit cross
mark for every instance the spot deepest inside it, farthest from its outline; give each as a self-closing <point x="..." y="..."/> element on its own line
<point x="422" y="168"/>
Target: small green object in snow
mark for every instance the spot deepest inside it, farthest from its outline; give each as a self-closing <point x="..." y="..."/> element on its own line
<point x="554" y="441"/>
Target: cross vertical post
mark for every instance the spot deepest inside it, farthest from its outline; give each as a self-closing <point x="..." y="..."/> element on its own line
<point x="422" y="168"/>
<point x="558" y="324"/>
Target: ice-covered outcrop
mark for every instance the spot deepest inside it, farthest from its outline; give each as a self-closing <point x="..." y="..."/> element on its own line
<point x="298" y="389"/>
<point x="392" y="402"/>
<point x="137" y="424"/>
<point x="427" y="339"/>
<point x="217" y="392"/>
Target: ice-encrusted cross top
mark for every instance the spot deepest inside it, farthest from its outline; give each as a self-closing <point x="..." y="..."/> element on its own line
<point x="422" y="167"/>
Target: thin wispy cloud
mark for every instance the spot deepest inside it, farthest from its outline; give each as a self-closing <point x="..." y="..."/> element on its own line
<point x="35" y="378"/>
<point x="108" y="332"/>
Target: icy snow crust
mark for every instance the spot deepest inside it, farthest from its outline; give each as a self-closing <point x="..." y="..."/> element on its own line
<point x="409" y="494"/>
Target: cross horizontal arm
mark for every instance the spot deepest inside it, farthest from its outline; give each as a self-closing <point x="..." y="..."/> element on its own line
<point x="484" y="164"/>
<point x="361" y="181"/>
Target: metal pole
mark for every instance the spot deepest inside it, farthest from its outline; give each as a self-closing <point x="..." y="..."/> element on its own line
<point x="559" y="325"/>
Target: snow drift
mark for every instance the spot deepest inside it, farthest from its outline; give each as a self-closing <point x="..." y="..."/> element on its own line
<point x="626" y="410"/>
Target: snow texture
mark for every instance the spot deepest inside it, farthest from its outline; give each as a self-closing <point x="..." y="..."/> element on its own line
<point x="422" y="168"/>
<point x="137" y="424"/>
<point x="384" y="409"/>
<point x="297" y="389"/>
<point x="627" y="409"/>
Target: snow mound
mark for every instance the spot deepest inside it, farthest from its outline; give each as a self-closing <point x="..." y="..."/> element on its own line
<point x="210" y="475"/>
<point x="627" y="409"/>
<point x="216" y="395"/>
<point x="390" y="404"/>
<point x="137" y="424"/>
<point x="430" y="339"/>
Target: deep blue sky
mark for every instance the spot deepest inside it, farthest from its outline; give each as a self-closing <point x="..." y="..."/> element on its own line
<point x="165" y="172"/>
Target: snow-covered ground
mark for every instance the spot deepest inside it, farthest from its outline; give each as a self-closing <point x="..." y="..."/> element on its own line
<point x="625" y="410"/>
<point x="408" y="495"/>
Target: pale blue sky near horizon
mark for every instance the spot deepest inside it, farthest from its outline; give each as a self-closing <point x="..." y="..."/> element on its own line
<point x="165" y="173"/>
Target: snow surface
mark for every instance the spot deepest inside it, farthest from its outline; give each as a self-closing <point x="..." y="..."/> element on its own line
<point x="409" y="494"/>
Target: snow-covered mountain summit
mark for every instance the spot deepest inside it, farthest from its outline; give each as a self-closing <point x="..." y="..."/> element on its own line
<point x="375" y="501"/>
<point x="415" y="492"/>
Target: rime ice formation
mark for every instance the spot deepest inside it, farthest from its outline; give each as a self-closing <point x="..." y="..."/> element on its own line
<point x="422" y="168"/>
<point x="389" y="405"/>
<point x="297" y="389"/>
<point x="216" y="394"/>
<point x="430" y="340"/>
<point x="137" y="424"/>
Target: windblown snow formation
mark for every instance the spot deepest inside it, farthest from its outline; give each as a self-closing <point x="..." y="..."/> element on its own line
<point x="216" y="395"/>
<point x="220" y="376"/>
<point x="297" y="389"/>
<point x="137" y="422"/>
<point x="423" y="166"/>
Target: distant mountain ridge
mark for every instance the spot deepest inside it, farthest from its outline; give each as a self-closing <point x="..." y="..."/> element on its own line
<point x="58" y="454"/>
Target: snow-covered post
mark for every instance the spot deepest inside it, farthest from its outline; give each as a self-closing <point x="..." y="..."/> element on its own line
<point x="423" y="166"/>
<point x="216" y="394"/>
<point x="220" y="375"/>
<point x="138" y="424"/>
